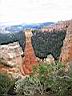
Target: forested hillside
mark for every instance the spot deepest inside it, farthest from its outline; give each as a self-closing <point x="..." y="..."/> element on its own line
<point x="13" y="37"/>
<point x="45" y="43"/>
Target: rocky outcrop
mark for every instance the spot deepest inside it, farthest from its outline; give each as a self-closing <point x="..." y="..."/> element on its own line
<point x="66" y="54"/>
<point x="61" y="25"/>
<point x="29" y="56"/>
<point x="49" y="59"/>
<point x="10" y="58"/>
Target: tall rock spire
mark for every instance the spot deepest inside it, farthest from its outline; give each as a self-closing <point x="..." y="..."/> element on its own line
<point x="29" y="56"/>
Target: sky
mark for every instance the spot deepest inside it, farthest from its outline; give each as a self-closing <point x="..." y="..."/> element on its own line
<point x="35" y="11"/>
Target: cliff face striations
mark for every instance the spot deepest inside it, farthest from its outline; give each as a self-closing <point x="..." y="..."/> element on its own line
<point x="66" y="54"/>
<point x="29" y="56"/>
<point x="10" y="58"/>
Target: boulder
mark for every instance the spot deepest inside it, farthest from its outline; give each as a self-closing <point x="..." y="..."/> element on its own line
<point x="38" y="59"/>
<point x="49" y="59"/>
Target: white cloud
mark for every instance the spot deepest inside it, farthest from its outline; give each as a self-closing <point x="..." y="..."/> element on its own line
<point x="32" y="11"/>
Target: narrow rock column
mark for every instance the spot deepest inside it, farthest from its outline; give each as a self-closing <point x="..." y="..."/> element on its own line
<point x="29" y="56"/>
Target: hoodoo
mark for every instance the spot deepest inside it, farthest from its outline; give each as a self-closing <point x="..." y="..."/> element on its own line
<point x="29" y="56"/>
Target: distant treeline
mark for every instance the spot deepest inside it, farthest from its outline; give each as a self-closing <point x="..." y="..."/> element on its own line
<point x="13" y="37"/>
<point x="46" y="43"/>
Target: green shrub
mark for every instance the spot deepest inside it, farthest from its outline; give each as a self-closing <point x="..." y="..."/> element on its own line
<point x="5" y="84"/>
<point x="54" y="79"/>
<point x="47" y="74"/>
<point x="28" y="86"/>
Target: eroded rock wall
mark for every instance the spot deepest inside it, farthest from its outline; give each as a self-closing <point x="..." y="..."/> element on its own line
<point x="10" y="58"/>
<point x="66" y="53"/>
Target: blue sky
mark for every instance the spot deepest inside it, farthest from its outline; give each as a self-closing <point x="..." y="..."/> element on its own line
<point x="34" y="11"/>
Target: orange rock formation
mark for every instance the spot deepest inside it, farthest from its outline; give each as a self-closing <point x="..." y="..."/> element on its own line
<point x="29" y="57"/>
<point x="66" y="54"/>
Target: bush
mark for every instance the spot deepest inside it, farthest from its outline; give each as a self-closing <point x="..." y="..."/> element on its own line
<point x="50" y="79"/>
<point x="28" y="86"/>
<point x="47" y="73"/>
<point x="54" y="78"/>
<point x="5" y="84"/>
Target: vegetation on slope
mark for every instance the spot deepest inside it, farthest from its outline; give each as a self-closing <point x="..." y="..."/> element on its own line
<point x="6" y="83"/>
<point x="46" y="80"/>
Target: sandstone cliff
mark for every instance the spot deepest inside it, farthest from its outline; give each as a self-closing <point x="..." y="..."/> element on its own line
<point x="66" y="54"/>
<point x="10" y="58"/>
